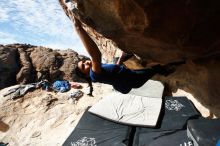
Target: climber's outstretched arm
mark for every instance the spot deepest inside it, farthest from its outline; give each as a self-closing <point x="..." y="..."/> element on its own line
<point x="90" y="46"/>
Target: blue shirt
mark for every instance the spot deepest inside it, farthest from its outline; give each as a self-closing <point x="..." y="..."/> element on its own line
<point x="121" y="78"/>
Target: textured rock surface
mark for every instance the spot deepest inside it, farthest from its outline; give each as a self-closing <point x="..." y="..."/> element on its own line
<point x="42" y="118"/>
<point x="161" y="32"/>
<point x="21" y="64"/>
<point x="152" y="29"/>
<point x="9" y="66"/>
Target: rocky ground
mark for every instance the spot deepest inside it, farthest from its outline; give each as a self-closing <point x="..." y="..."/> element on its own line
<point x="42" y="118"/>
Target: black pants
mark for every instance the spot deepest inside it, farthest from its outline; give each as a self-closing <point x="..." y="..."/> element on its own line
<point x="134" y="79"/>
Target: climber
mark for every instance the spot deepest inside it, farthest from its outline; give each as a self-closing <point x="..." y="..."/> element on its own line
<point x="120" y="77"/>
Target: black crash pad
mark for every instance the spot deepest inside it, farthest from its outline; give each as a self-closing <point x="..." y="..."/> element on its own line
<point x="166" y="138"/>
<point x="176" y="111"/>
<point x="204" y="132"/>
<point x="93" y="130"/>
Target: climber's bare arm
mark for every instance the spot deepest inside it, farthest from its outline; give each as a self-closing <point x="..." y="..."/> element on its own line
<point x="90" y="46"/>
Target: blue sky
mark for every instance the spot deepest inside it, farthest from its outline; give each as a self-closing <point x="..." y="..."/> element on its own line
<point x="37" y="22"/>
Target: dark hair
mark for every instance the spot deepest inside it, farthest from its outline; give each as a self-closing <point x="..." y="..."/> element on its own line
<point x="85" y="77"/>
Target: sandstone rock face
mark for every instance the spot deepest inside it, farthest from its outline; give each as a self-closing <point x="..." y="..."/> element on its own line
<point x="9" y="66"/>
<point x="21" y="64"/>
<point x="154" y="29"/>
<point x="24" y="75"/>
<point x="161" y="32"/>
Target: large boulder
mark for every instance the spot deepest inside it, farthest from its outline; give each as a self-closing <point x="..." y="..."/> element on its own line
<point x="22" y="64"/>
<point x="25" y="73"/>
<point x="9" y="66"/>
<point x="161" y="32"/>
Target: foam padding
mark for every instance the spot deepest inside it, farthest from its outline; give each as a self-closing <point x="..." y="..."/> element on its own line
<point x="204" y="132"/>
<point x="92" y="130"/>
<point x="175" y="113"/>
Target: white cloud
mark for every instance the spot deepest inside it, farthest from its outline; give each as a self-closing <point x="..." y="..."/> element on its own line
<point x="6" y="38"/>
<point x="36" y="16"/>
<point x="3" y="15"/>
<point x="39" y="20"/>
<point x="62" y="46"/>
<point x="75" y="45"/>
